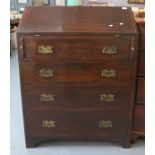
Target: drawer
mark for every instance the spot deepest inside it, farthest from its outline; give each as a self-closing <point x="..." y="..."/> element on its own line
<point x="141" y="91"/>
<point x="68" y="97"/>
<point x="141" y="70"/>
<point x="78" y="73"/>
<point x="139" y="118"/>
<point x="76" y="49"/>
<point x="76" y="124"/>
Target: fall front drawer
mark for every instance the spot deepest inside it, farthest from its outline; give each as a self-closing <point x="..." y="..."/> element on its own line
<point x="78" y="73"/>
<point x="76" y="124"/>
<point x="67" y="97"/>
<point x="74" y="49"/>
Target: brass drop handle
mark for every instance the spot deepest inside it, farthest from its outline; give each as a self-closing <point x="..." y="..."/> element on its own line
<point x="109" y="50"/>
<point x="105" y="124"/>
<point x="46" y="73"/>
<point x="47" y="98"/>
<point x="45" y="49"/>
<point x="107" y="97"/>
<point x="48" y="124"/>
<point x="108" y="73"/>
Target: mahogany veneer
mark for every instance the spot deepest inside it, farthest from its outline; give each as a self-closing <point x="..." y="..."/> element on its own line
<point x="78" y="73"/>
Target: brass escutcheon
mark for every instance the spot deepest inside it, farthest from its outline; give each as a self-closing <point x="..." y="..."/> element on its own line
<point x="109" y="50"/>
<point x="47" y="97"/>
<point x="48" y="124"/>
<point x="105" y="124"/>
<point x="107" y="97"/>
<point x="45" y="49"/>
<point x="108" y="73"/>
<point x="46" y="73"/>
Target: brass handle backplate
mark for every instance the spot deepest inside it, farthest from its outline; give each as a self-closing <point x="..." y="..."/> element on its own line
<point x="105" y="124"/>
<point x="45" y="49"/>
<point x="47" y="97"/>
<point x="107" y="97"/>
<point x="108" y="73"/>
<point x="48" y="124"/>
<point x="46" y="73"/>
<point x="109" y="50"/>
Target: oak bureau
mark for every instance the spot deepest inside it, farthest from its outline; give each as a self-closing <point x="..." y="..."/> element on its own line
<point x="78" y="68"/>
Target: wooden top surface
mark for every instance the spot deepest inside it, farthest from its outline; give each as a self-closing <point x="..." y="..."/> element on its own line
<point x="93" y="20"/>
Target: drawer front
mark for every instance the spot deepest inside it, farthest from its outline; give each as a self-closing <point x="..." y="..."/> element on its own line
<point x="141" y="91"/>
<point x="76" y="49"/>
<point x="72" y="124"/>
<point x="141" y="70"/>
<point x="139" y="118"/>
<point x="78" y="73"/>
<point x="66" y="97"/>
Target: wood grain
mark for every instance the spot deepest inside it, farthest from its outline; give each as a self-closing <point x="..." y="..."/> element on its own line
<point x="77" y="36"/>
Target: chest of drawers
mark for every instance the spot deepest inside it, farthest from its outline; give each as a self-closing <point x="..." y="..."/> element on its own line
<point x="78" y="73"/>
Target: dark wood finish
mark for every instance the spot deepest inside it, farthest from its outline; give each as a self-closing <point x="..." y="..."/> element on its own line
<point x="84" y="48"/>
<point x="79" y="130"/>
<point x="139" y="121"/>
<point x="68" y="20"/>
<point x="77" y="96"/>
<point x="78" y="73"/>
<point x="139" y="112"/>
<point x="141" y="91"/>
<point x="141" y="66"/>
<point x="77" y="36"/>
<point x="141" y="27"/>
<point x="65" y="128"/>
<point x="136" y="135"/>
